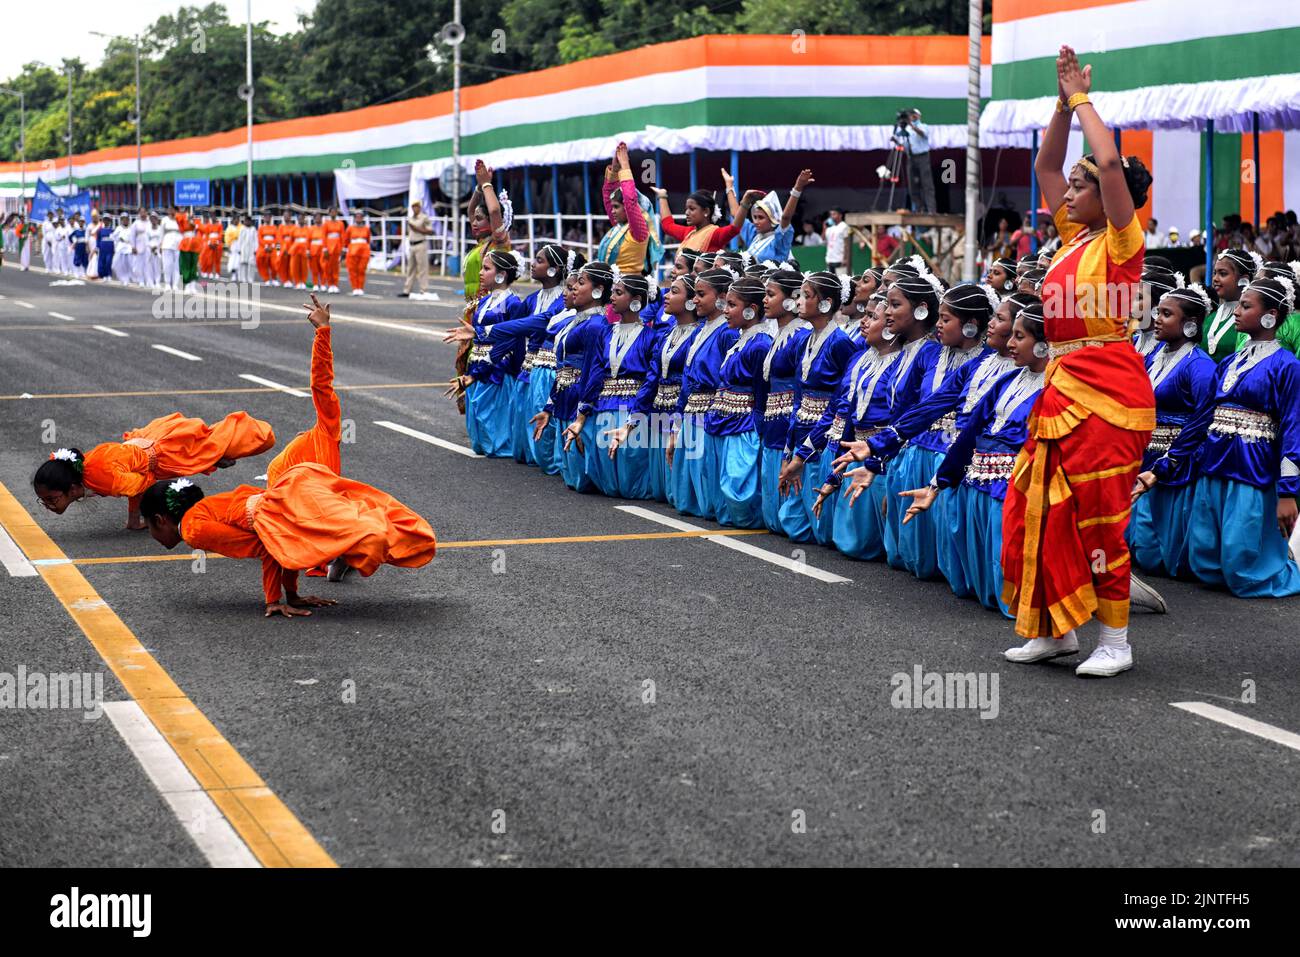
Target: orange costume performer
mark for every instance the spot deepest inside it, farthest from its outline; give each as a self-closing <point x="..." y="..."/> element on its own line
<point x="308" y="517"/>
<point x="301" y="239"/>
<point x="1064" y="558"/>
<point x="334" y="230"/>
<point x="266" y="240"/>
<point x="210" y="256"/>
<point x="358" y="238"/>
<point x="316" y="248"/>
<point x="171" y="447"/>
<point x="285" y="232"/>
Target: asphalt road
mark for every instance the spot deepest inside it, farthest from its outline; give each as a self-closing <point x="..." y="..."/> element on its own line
<point x="501" y="714"/>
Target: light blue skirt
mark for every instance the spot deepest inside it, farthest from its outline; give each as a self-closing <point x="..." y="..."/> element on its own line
<point x="1233" y="540"/>
<point x="521" y="434"/>
<point x="916" y="544"/>
<point x="858" y="530"/>
<point x="739" y="481"/>
<point x="796" y="510"/>
<point x="697" y="455"/>
<point x="972" y="557"/>
<point x="573" y="464"/>
<point x="627" y="475"/>
<point x="659" y="474"/>
<point x="769" y="482"/>
<point x="545" y="450"/>
<point x="1158" y="528"/>
<point x="488" y="417"/>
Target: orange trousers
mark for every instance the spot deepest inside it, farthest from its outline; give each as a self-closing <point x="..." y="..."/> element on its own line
<point x="297" y="267"/>
<point x="1064" y="558"/>
<point x="329" y="267"/>
<point x="313" y="265"/>
<point x="282" y="266"/>
<point x="357" y="262"/>
<point x="264" y="267"/>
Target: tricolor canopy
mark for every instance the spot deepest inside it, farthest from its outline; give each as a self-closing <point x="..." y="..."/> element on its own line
<point x="1157" y="64"/>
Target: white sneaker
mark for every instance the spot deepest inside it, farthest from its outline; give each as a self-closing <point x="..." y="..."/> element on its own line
<point x="1106" y="662"/>
<point x="1144" y="596"/>
<point x="334" y="288"/>
<point x="1042" y="649"/>
<point x="358" y="292"/>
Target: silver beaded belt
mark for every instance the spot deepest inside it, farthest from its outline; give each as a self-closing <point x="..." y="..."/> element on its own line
<point x="727" y="402"/>
<point x="811" y="408"/>
<point x="1162" y="438"/>
<point x="566" y="377"/>
<point x="697" y="403"/>
<point x="863" y="434"/>
<point x="836" y="431"/>
<point x="667" y="396"/>
<point x="1252" y="426"/>
<point x="1065" y="348"/>
<point x="529" y="359"/>
<point x="990" y="466"/>
<point x="480" y="352"/>
<point x="946" y="424"/>
<point x="544" y="359"/>
<point x="251" y="506"/>
<point x="624" y="387"/>
<point x="780" y="405"/>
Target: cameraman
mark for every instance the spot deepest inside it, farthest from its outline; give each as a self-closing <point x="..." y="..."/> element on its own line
<point x="914" y="137"/>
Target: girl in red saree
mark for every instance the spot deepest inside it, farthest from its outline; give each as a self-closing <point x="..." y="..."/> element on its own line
<point x="1067" y="507"/>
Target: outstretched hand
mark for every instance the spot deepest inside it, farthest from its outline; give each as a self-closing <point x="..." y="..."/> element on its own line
<point x="922" y="499"/>
<point x="317" y="315"/>
<point x="854" y="451"/>
<point x="805" y="177"/>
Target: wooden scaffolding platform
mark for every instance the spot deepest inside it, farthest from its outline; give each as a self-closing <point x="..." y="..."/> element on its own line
<point x="942" y="250"/>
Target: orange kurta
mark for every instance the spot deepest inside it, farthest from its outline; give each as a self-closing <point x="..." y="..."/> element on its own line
<point x="334" y="230"/>
<point x="266" y="239"/>
<point x="320" y="443"/>
<point x="285" y="232"/>
<point x="1064" y="557"/>
<point x="309" y="517"/>
<point x="316" y="248"/>
<point x="301" y="239"/>
<point x="186" y="226"/>
<point x="171" y="447"/>
<point x="358" y="238"/>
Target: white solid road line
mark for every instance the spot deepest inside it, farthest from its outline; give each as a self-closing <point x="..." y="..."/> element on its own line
<point x="192" y="806"/>
<point x="1233" y="720"/>
<point x="112" y="332"/>
<point x="176" y="352"/>
<point x="59" y="315"/>
<point x="13" y="559"/>
<point x="25" y="305"/>
<point x="274" y="385"/>
<point x="431" y="439"/>
<point x="789" y="564"/>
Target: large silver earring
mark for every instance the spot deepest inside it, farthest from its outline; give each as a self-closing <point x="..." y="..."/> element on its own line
<point x="551" y="272"/>
<point x="789" y="305"/>
<point x="1268" y="320"/>
<point x="635" y="305"/>
<point x="690" y="305"/>
<point x="888" y="334"/>
<point x="1190" y="330"/>
<point x="749" y="313"/>
<point x="824" y="306"/>
<point x="598" y="293"/>
<point x="1041" y="349"/>
<point x="970" y="330"/>
<point x="499" y="278"/>
<point x="921" y="312"/>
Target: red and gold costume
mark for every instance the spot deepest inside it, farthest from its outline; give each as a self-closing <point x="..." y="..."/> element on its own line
<point x="171" y="447"/>
<point x="1064" y="558"/>
<point x="308" y="517"/>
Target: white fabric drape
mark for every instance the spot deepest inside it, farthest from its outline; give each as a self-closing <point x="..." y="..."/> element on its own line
<point x="371" y="182"/>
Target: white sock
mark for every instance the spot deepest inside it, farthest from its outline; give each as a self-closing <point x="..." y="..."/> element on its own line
<point x="1114" y="637"/>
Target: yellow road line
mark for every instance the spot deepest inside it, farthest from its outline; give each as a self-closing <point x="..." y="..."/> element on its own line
<point x="275" y="836"/>
<point x="479" y="543"/>
<point x="120" y="395"/>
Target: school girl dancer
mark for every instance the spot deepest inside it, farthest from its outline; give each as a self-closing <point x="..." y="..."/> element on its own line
<point x="780" y="380"/>
<point x="1183" y="379"/>
<point x="730" y="425"/>
<point x="823" y="359"/>
<point x="618" y="389"/>
<point x="701" y="231"/>
<point x="767" y="233"/>
<point x="168" y="447"/>
<point x="547" y="448"/>
<point x="1246" y="446"/>
<point x="694" y="461"/>
<point x="672" y="348"/>
<point x="974" y="473"/>
<point x="1157" y="280"/>
<point x="488" y="388"/>
<point x="1232" y="271"/>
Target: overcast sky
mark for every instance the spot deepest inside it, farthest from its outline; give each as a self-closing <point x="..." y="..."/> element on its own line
<point x="34" y="31"/>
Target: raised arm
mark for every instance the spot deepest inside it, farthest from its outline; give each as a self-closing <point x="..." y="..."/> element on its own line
<point x="1050" y="164"/>
<point x="733" y="204"/>
<point x="801" y="182"/>
<point x="1116" y="199"/>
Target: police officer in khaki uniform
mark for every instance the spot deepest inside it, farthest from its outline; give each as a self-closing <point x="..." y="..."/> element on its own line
<point x="418" y="229"/>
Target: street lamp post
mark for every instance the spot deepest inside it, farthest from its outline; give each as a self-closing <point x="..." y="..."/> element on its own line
<point x="22" y="137"/>
<point x="248" y="83"/>
<point x="139" y="154"/>
<point x="69" y="136"/>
